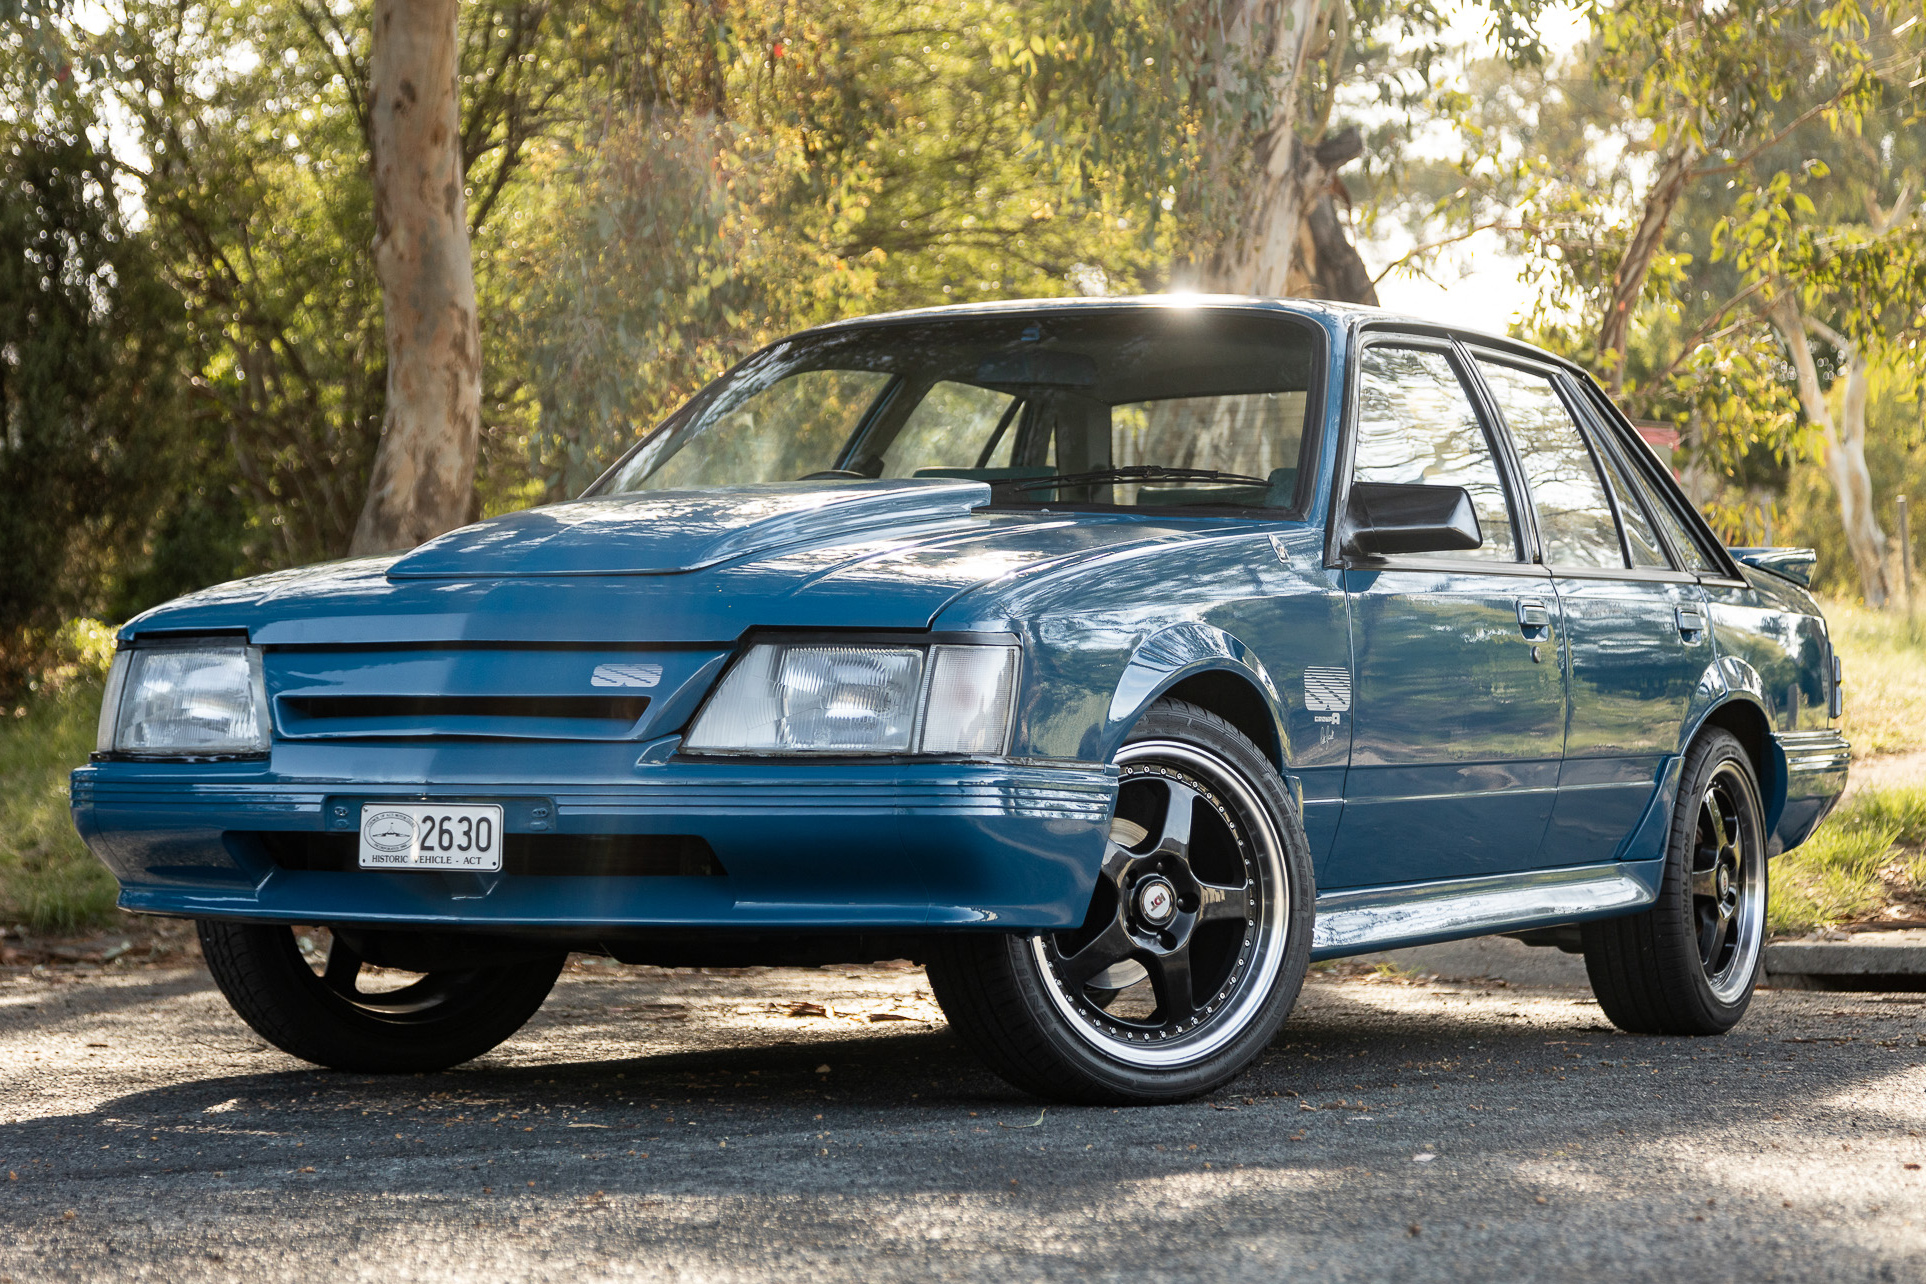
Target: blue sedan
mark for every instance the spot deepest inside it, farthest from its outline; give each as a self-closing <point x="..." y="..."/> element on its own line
<point x="1115" y="658"/>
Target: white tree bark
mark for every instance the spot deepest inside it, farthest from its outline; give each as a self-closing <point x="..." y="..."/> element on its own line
<point x="423" y="481"/>
<point x="1286" y="178"/>
<point x="1845" y="440"/>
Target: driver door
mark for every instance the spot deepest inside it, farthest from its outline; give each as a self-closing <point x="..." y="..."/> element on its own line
<point x="1458" y="699"/>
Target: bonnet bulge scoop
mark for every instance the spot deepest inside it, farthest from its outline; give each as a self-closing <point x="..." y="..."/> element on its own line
<point x="670" y="532"/>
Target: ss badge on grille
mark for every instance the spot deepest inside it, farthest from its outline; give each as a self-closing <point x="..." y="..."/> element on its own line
<point x="625" y="675"/>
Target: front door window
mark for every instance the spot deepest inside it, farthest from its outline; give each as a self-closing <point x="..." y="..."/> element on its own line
<point x="1416" y="426"/>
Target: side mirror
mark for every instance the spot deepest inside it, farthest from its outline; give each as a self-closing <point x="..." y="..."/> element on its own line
<point x="1383" y="519"/>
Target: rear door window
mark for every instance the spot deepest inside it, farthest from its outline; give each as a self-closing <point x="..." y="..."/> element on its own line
<point x="1567" y="493"/>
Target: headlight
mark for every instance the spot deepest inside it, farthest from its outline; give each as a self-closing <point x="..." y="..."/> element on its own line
<point x="195" y="699"/>
<point x="784" y="699"/>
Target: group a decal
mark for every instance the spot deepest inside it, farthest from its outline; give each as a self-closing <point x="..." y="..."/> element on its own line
<point x="1327" y="694"/>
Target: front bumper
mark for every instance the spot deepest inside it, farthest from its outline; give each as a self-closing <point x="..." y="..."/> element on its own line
<point x="803" y="846"/>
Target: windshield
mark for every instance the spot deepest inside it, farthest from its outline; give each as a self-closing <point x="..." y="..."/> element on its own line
<point x="1013" y="400"/>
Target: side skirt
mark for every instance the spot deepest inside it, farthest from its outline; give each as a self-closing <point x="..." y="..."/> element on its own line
<point x="1365" y="919"/>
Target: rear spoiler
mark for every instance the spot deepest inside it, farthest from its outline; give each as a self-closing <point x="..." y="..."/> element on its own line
<point x="1793" y="564"/>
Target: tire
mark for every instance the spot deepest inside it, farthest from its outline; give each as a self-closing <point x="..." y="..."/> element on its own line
<point x="440" y="1020"/>
<point x="1194" y="946"/>
<point x="1688" y="964"/>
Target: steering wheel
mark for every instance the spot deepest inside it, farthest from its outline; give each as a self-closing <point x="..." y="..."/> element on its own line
<point x="831" y="474"/>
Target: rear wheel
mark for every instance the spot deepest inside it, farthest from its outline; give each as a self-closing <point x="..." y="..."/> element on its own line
<point x="338" y="1012"/>
<point x="1689" y="964"/>
<point x="1194" y="946"/>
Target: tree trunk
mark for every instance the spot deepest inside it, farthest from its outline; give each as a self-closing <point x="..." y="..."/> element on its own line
<point x="1629" y="281"/>
<point x="1276" y="241"/>
<point x="423" y="481"/>
<point x="1845" y="443"/>
<point x="1328" y="266"/>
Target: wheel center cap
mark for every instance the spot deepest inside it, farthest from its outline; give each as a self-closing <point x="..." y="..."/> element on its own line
<point x="1725" y="880"/>
<point x="1156" y="901"/>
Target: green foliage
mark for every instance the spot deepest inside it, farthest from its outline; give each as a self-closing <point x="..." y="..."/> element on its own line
<point x="820" y="166"/>
<point x="655" y="274"/>
<point x="1791" y="135"/>
<point x="90" y="387"/>
<point x="48" y="878"/>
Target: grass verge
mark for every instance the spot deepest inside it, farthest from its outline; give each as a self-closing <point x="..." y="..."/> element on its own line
<point x="49" y="881"/>
<point x="1885" y="688"/>
<point x="1867" y="861"/>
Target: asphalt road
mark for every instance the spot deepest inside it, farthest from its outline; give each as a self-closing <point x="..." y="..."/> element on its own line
<point x="688" y="1126"/>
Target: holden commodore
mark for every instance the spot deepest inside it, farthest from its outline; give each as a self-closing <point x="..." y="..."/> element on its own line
<point x="1114" y="658"/>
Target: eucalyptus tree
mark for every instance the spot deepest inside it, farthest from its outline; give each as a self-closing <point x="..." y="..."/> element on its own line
<point x="1705" y="195"/>
<point x="1234" y="118"/>
<point x="423" y="479"/>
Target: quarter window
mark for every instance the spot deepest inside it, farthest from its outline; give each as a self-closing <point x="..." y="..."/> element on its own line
<point x="1574" y="517"/>
<point x="1416" y="425"/>
<point x="1687" y="547"/>
<point x="1640" y="538"/>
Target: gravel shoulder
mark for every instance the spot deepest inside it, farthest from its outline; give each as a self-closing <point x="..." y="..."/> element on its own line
<point x="762" y="1126"/>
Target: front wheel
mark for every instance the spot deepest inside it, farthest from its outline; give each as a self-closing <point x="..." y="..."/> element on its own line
<point x="1689" y="964"/>
<point x="340" y="1013"/>
<point x="1194" y="946"/>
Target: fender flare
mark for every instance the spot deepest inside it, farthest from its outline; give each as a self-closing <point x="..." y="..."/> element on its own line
<point x="1729" y="683"/>
<point x="1181" y="651"/>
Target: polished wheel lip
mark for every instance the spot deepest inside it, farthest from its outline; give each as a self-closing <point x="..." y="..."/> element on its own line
<point x="1252" y="985"/>
<point x="1727" y="883"/>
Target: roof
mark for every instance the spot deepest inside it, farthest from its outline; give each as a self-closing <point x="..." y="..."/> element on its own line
<point x="1336" y="315"/>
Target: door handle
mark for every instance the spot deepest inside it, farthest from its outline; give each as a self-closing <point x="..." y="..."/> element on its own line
<point x="1691" y="621"/>
<point x="1533" y="614"/>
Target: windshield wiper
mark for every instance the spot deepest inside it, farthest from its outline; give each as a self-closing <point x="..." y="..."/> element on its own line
<point x="1133" y="473"/>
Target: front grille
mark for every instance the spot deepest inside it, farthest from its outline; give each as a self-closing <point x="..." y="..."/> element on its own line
<point x="556" y="855"/>
<point x="615" y="708"/>
<point x="471" y="716"/>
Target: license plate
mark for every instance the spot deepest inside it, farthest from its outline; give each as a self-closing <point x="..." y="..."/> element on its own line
<point x="464" y="836"/>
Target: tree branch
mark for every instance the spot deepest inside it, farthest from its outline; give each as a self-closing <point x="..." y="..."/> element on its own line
<point x="1429" y="246"/>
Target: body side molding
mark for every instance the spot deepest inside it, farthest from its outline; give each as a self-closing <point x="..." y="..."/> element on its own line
<point x="1358" y="921"/>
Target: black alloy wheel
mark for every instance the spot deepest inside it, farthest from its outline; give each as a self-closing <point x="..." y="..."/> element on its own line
<point x="1728" y="883"/>
<point x="1183" y="920"/>
<point x="340" y="1012"/>
<point x="1689" y="963"/>
<point x="1194" y="945"/>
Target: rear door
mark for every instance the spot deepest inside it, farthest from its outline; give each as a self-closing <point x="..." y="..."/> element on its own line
<point x="1458" y="700"/>
<point x="1636" y="641"/>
